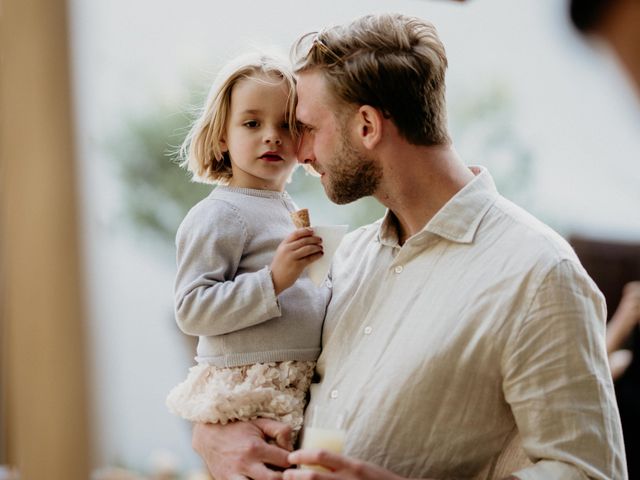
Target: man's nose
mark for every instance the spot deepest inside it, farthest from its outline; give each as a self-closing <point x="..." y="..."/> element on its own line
<point x="305" y="151"/>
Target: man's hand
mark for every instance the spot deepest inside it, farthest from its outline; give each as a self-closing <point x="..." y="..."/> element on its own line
<point x="239" y="450"/>
<point x="292" y="256"/>
<point x="338" y="467"/>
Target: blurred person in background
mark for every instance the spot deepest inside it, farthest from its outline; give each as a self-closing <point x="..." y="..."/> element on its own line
<point x="623" y="347"/>
<point x="623" y="324"/>
<point x="617" y="22"/>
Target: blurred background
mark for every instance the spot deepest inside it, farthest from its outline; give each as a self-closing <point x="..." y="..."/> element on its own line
<point x="551" y="115"/>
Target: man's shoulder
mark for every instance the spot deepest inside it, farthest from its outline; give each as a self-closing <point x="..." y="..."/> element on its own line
<point x="527" y="234"/>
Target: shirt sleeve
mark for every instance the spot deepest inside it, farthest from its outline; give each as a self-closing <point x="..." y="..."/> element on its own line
<point x="557" y="382"/>
<point x="210" y="299"/>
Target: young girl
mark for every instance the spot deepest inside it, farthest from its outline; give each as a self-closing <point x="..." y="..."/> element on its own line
<point x="239" y="285"/>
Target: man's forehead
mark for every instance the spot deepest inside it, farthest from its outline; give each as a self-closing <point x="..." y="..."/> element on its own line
<point x="311" y="80"/>
<point x="301" y="113"/>
<point x="312" y="94"/>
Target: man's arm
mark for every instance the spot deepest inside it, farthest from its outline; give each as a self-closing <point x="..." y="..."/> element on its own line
<point x="240" y="449"/>
<point x="557" y="382"/>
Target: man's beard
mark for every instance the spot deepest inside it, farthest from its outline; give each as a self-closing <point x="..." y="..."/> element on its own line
<point x="351" y="174"/>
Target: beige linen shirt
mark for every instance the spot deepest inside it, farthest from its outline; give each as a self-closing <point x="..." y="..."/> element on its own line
<point x="480" y="328"/>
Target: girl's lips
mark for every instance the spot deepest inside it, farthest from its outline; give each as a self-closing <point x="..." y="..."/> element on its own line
<point x="271" y="157"/>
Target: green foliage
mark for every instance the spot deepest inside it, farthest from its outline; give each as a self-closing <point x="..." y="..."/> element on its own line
<point x="485" y="133"/>
<point x="157" y="192"/>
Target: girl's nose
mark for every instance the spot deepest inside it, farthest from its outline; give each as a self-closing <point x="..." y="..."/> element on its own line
<point x="272" y="138"/>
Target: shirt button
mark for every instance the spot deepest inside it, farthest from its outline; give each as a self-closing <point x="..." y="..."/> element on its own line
<point x="367" y="330"/>
<point x="328" y="283"/>
<point x="334" y="394"/>
<point x="398" y="269"/>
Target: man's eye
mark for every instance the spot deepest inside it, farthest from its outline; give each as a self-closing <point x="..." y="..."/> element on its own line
<point x="251" y="124"/>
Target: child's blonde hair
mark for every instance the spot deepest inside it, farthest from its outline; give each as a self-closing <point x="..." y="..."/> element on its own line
<point x="200" y="152"/>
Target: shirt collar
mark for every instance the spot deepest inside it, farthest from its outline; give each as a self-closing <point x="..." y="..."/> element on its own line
<point x="458" y="220"/>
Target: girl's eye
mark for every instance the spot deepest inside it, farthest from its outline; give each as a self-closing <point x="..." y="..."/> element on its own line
<point x="251" y="124"/>
<point x="284" y="125"/>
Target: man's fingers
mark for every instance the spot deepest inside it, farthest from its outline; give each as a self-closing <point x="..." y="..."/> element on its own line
<point x="274" y="455"/>
<point x="323" y="458"/>
<point x="280" y="432"/>
<point x="260" y="471"/>
<point x="307" y="474"/>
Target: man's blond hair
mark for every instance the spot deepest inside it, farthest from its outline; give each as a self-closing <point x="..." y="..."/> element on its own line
<point x="392" y="62"/>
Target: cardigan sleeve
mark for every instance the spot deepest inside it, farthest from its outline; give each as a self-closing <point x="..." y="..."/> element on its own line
<point x="210" y="299"/>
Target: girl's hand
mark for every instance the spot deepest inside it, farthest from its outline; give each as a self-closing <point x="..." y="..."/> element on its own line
<point x="292" y="256"/>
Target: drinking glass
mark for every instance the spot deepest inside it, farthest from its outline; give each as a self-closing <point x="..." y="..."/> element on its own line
<point x="325" y="429"/>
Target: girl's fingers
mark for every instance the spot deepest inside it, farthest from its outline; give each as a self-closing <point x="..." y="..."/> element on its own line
<point x="299" y="233"/>
<point x="304" y="253"/>
<point x="303" y="242"/>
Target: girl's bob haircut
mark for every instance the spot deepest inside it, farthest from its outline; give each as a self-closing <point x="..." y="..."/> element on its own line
<point x="200" y="152"/>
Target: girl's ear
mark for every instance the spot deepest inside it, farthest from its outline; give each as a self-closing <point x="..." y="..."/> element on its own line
<point x="223" y="145"/>
<point x="369" y="123"/>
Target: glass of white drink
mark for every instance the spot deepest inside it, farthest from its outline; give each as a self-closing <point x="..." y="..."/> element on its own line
<point x="324" y="429"/>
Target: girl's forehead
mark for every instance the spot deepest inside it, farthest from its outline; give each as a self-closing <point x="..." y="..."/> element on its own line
<point x="260" y="82"/>
<point x="256" y="93"/>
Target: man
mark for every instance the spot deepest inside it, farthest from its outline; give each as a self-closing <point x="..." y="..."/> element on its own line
<point x="461" y="332"/>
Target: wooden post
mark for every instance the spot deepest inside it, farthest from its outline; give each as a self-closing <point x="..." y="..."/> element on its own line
<point x="43" y="364"/>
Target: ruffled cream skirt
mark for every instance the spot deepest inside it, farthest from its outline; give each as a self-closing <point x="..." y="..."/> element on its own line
<point x="219" y="395"/>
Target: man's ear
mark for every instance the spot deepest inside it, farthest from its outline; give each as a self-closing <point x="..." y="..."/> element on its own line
<point x="369" y="122"/>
